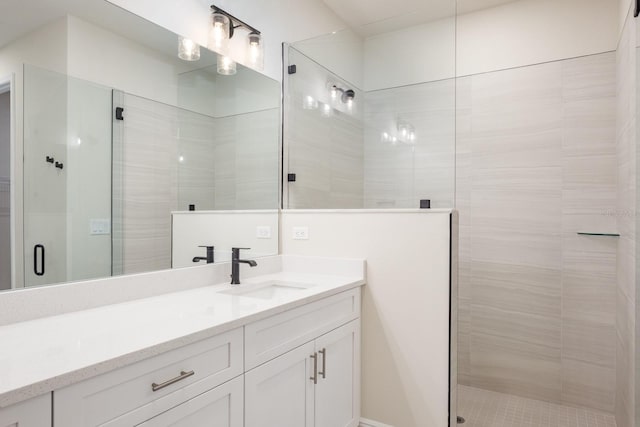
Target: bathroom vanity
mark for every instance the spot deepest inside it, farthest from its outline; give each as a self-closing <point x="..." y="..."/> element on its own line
<point x="279" y="349"/>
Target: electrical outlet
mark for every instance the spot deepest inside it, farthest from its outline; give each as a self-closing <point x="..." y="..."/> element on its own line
<point x="263" y="232"/>
<point x="98" y="227"/>
<point x="300" y="233"/>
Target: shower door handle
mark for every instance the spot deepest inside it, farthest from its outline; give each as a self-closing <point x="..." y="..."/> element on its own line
<point x="40" y="249"/>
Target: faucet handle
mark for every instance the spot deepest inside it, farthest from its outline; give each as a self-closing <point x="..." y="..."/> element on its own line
<point x="236" y="251"/>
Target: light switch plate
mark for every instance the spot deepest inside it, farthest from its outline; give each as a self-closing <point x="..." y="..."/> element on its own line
<point x="263" y="232"/>
<point x="99" y="227"/>
<point x="300" y="233"/>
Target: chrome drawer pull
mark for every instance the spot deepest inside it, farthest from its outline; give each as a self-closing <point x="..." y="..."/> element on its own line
<point x="323" y="352"/>
<point x="314" y="378"/>
<point x="183" y="375"/>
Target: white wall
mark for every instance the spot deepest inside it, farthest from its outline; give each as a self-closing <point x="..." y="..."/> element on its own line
<point x="341" y="52"/>
<point x="529" y="32"/>
<point x="405" y="318"/>
<point x="278" y="20"/>
<point x="245" y="92"/>
<point x="105" y="58"/>
<point x="417" y="54"/>
<point x="623" y="12"/>
<point x="224" y="230"/>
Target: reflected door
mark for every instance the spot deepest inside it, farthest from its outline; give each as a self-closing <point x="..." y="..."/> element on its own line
<point x="5" y="190"/>
<point x="45" y="156"/>
<point x="67" y="178"/>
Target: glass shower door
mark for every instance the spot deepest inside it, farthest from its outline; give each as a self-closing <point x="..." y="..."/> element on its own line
<point x="67" y="178"/>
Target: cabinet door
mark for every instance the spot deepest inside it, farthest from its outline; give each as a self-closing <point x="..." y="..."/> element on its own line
<point x="32" y="413"/>
<point x="337" y="395"/>
<point x="220" y="407"/>
<point x="280" y="392"/>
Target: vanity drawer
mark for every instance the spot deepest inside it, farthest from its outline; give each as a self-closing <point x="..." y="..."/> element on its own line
<point x="126" y="397"/>
<point x="271" y="337"/>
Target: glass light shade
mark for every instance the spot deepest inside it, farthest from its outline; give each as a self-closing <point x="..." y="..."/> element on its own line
<point x="188" y="50"/>
<point x="405" y="130"/>
<point x="333" y="90"/>
<point x="350" y="104"/>
<point x="226" y="65"/>
<point x="255" y="51"/>
<point x="219" y="35"/>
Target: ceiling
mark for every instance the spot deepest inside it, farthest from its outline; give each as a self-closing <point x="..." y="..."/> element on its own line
<point x="371" y="17"/>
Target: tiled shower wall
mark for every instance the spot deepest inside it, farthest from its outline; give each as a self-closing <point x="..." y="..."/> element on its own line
<point x="168" y="158"/>
<point x="536" y="163"/>
<point x="399" y="175"/>
<point x="343" y="161"/>
<point x="627" y="217"/>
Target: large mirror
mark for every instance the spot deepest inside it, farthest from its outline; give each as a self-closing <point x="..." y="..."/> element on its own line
<point x="119" y="157"/>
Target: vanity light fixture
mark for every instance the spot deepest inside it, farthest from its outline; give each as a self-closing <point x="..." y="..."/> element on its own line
<point x="256" y="51"/>
<point x="188" y="50"/>
<point x="220" y="33"/>
<point x="224" y="27"/>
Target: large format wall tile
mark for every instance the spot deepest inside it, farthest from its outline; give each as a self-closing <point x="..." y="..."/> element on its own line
<point x="626" y="215"/>
<point x="171" y="158"/>
<point x="536" y="163"/>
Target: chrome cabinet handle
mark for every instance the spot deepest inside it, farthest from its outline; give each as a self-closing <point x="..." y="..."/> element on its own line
<point x="323" y="352"/>
<point x="182" y="376"/>
<point x="314" y="378"/>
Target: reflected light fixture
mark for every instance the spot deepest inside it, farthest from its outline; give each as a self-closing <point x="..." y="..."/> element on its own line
<point x="226" y="66"/>
<point x="309" y="103"/>
<point x="326" y="110"/>
<point x="188" y="50"/>
<point x="224" y="28"/>
<point x="346" y="95"/>
<point x="406" y="134"/>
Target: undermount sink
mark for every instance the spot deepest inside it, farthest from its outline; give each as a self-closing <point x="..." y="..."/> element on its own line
<point x="268" y="290"/>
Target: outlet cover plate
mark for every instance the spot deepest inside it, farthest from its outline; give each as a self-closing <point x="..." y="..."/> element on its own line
<point x="300" y="233"/>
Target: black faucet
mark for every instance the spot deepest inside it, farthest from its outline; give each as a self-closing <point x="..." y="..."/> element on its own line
<point x="235" y="264"/>
<point x="208" y="258"/>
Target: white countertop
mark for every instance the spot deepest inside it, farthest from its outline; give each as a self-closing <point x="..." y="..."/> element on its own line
<point x="42" y="355"/>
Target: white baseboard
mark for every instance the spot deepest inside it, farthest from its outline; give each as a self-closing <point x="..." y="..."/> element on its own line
<point x="370" y="423"/>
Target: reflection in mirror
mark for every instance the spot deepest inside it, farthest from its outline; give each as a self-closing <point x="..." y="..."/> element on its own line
<point x="128" y="149"/>
<point x="393" y="143"/>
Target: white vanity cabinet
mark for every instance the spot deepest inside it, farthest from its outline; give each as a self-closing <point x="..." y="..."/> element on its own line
<point x="337" y="392"/>
<point x="139" y="392"/>
<point x="301" y="368"/>
<point x="317" y="383"/>
<point x="280" y="392"/>
<point x="35" y="412"/>
<point x="314" y="385"/>
<point x="220" y="407"/>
